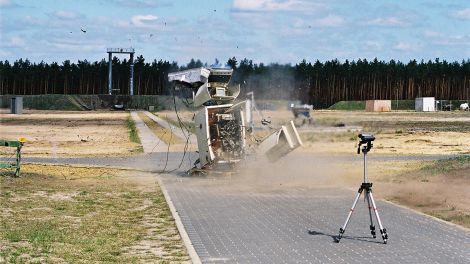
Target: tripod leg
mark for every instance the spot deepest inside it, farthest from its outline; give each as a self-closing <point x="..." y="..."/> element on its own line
<point x="343" y="229"/>
<point x="372" y="227"/>
<point x="383" y="231"/>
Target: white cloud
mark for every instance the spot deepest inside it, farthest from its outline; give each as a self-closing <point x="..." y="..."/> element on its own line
<point x="373" y="45"/>
<point x="66" y="14"/>
<point x="443" y="39"/>
<point x="462" y="14"/>
<point x="74" y="46"/>
<point x="255" y="20"/>
<point x="387" y="22"/>
<point x="406" y="46"/>
<point x="433" y="34"/>
<point x="273" y="5"/>
<point x="14" y="42"/>
<point x="144" y="20"/>
<point x="330" y="21"/>
<point x="6" y="3"/>
<point x="142" y="3"/>
<point x="5" y="53"/>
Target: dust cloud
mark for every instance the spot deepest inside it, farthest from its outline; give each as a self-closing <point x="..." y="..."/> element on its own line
<point x="297" y="170"/>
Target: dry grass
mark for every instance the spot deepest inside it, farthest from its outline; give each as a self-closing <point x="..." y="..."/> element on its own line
<point x="438" y="188"/>
<point x="398" y="133"/>
<point x="164" y="134"/>
<point x="70" y="134"/>
<point x="56" y="214"/>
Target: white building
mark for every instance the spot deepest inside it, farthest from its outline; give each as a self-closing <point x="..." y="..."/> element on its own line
<point x="425" y="104"/>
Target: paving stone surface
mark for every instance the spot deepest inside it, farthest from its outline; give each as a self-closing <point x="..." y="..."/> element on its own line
<point x="150" y="142"/>
<point x="228" y="223"/>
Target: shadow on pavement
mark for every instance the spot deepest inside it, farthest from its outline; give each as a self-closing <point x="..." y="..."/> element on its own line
<point x="335" y="237"/>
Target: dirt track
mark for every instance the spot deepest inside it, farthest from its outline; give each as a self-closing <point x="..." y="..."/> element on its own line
<point x="399" y="133"/>
<point x="66" y="134"/>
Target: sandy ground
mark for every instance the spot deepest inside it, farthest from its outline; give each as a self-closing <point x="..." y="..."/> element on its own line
<point x="66" y="134"/>
<point x="333" y="133"/>
<point x="400" y="133"/>
<point x="404" y="133"/>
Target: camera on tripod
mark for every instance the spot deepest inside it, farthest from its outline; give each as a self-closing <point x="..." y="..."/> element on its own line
<point x="366" y="186"/>
<point x="366" y="138"/>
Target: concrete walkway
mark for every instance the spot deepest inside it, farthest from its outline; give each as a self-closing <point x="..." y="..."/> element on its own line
<point x="150" y="142"/>
<point x="233" y="222"/>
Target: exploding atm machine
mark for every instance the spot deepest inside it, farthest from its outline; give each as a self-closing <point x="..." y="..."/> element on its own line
<point x="220" y="121"/>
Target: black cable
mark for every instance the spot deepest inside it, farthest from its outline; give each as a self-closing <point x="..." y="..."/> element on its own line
<point x="168" y="149"/>
<point x="181" y="124"/>
<point x="158" y="143"/>
<point x="187" y="137"/>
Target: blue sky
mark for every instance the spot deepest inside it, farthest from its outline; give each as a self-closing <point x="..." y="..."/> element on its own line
<point x="284" y="31"/>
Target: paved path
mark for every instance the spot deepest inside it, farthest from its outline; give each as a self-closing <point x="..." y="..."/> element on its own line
<point x="152" y="162"/>
<point x="231" y="223"/>
<point x="155" y="161"/>
<point x="150" y="142"/>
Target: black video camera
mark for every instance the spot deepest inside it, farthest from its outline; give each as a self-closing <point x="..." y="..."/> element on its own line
<point x="366" y="138"/>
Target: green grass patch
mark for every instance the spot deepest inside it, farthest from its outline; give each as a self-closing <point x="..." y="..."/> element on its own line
<point x="446" y="165"/>
<point x="361" y="105"/>
<point x="452" y="215"/>
<point x="42" y="102"/>
<point x="349" y="105"/>
<point x="75" y="215"/>
<point x="133" y="133"/>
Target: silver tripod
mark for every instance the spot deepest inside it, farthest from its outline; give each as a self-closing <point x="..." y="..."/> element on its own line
<point x="366" y="186"/>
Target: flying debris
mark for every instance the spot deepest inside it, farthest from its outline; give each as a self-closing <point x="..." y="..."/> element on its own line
<point x="220" y="123"/>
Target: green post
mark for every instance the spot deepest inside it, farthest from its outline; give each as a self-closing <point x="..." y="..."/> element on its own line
<point x="15" y="144"/>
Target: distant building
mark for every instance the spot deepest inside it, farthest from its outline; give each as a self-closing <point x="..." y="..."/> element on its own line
<point x="378" y="106"/>
<point x="425" y="104"/>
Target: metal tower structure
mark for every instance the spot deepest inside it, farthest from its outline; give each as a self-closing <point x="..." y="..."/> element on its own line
<point x="129" y="51"/>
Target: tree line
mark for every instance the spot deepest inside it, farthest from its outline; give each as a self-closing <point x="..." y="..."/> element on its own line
<point x="318" y="83"/>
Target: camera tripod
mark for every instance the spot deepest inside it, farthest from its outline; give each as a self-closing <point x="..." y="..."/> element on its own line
<point x="367" y="187"/>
